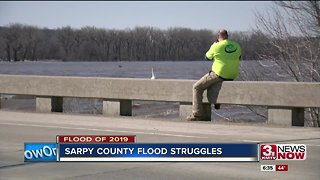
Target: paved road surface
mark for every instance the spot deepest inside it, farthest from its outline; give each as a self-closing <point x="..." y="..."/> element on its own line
<point x="18" y="127"/>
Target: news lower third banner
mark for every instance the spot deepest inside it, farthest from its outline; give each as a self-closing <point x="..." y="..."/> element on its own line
<point x="158" y="152"/>
<point x="140" y="152"/>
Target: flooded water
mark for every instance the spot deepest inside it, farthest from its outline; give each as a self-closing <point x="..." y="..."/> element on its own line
<point x="162" y="69"/>
<point x="250" y="70"/>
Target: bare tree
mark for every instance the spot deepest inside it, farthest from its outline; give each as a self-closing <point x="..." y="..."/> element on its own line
<point x="66" y="36"/>
<point x="32" y="38"/>
<point x="20" y="41"/>
<point x="2" y="44"/>
<point x="294" y="30"/>
<point x="13" y="40"/>
<point x="100" y="40"/>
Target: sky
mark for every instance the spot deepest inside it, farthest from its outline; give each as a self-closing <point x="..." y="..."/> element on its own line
<point x="231" y="15"/>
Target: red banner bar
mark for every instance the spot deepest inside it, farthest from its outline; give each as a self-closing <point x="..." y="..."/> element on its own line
<point x="95" y="139"/>
<point x="282" y="167"/>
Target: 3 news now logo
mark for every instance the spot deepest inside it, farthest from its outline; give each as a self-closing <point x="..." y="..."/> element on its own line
<point x="36" y="152"/>
<point x="283" y="152"/>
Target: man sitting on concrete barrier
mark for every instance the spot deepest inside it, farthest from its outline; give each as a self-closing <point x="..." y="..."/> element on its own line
<point x="225" y="55"/>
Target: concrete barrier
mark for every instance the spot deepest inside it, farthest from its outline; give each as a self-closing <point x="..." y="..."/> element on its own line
<point x="285" y="100"/>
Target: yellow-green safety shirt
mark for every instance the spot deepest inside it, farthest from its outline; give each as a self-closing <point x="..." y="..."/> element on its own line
<point x="226" y="55"/>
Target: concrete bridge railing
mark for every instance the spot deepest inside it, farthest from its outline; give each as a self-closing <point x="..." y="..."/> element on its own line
<point x="285" y="100"/>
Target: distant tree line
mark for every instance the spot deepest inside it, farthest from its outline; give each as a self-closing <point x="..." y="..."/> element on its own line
<point x="20" y="42"/>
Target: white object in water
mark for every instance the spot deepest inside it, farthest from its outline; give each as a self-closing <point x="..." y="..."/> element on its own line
<point x="152" y="74"/>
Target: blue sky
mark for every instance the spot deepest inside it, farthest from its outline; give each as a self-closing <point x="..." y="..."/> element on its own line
<point x="232" y="15"/>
